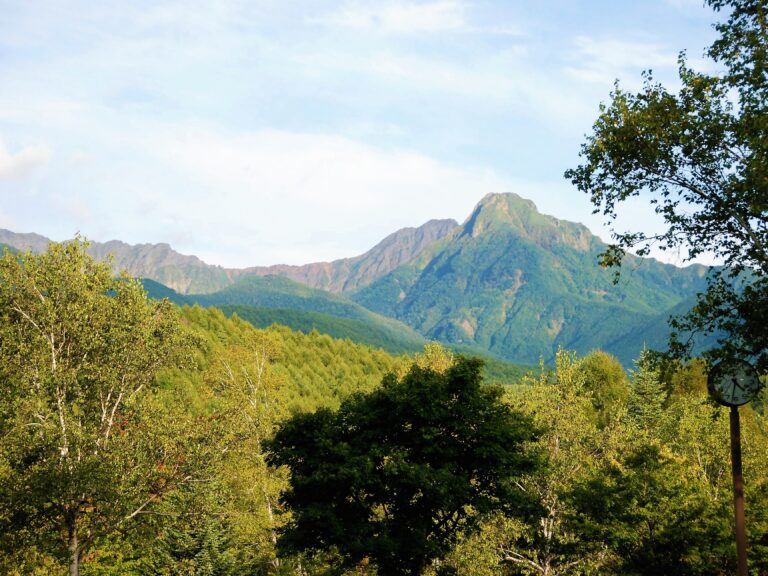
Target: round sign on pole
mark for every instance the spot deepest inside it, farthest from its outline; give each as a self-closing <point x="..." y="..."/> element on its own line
<point x="734" y="383"/>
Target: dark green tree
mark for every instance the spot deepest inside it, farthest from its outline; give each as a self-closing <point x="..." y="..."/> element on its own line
<point x="645" y="405"/>
<point x="652" y="519"/>
<point x="395" y="475"/>
<point x="700" y="156"/>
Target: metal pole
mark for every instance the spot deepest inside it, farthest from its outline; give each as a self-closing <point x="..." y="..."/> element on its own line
<point x="738" y="492"/>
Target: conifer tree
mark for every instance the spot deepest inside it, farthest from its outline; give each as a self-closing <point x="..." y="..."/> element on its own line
<point x="647" y="395"/>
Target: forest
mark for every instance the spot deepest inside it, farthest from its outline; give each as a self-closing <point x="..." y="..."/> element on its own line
<point x="181" y="441"/>
<point x="140" y="436"/>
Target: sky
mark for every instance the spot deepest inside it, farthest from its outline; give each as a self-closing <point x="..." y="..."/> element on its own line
<point x="259" y="132"/>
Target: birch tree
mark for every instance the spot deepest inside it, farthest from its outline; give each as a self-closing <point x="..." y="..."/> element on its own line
<point x="84" y="449"/>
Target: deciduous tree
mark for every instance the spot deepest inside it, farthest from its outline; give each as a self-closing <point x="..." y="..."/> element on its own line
<point x="396" y="474"/>
<point x="700" y="157"/>
<point x="85" y="448"/>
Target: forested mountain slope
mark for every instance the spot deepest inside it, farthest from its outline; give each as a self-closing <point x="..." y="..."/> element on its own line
<point x="275" y="300"/>
<point x="521" y="284"/>
<point x="509" y="280"/>
<point x="361" y="327"/>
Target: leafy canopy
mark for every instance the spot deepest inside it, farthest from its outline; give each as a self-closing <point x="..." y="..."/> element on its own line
<point x="700" y="156"/>
<point x="84" y="448"/>
<point x="394" y="475"/>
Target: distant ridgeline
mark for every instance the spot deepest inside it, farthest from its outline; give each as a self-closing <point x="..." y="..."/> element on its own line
<point x="509" y="281"/>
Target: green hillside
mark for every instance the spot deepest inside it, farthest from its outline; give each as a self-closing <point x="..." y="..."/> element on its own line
<point x="521" y="284"/>
<point x="298" y="314"/>
<point x="360" y="331"/>
<point x="158" y="291"/>
<point x="279" y="293"/>
<point x="366" y="328"/>
<point x="370" y="332"/>
<point x="313" y="369"/>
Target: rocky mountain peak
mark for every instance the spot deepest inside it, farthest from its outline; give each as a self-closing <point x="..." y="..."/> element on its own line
<point x="509" y="213"/>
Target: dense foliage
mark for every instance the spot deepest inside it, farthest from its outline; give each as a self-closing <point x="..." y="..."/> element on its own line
<point x="700" y="157"/>
<point x="81" y="452"/>
<point x="395" y="475"/>
<point x="643" y="490"/>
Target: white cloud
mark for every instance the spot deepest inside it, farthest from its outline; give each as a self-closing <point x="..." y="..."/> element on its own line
<point x="603" y="61"/>
<point x="266" y="197"/>
<point x="507" y="80"/>
<point x="22" y="163"/>
<point x="402" y="17"/>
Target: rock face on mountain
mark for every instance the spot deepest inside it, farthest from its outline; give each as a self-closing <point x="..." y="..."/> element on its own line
<point x="519" y="284"/>
<point x="24" y="242"/>
<point x="156" y="261"/>
<point x="160" y="262"/>
<point x="350" y="274"/>
<point x="190" y="275"/>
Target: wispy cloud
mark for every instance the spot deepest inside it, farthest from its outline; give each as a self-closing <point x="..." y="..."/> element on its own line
<point x="262" y="197"/>
<point x="400" y="17"/>
<point x="604" y="60"/>
<point x="22" y="163"/>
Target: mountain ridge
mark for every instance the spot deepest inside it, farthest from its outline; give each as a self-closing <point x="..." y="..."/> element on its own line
<point x="509" y="280"/>
<point x="188" y="274"/>
<point x="520" y="284"/>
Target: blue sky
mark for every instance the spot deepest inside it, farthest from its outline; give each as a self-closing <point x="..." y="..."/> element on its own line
<point x="261" y="132"/>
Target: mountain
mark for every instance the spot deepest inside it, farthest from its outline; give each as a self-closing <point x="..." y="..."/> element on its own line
<point x="509" y="280"/>
<point x="346" y="319"/>
<point x="160" y="262"/>
<point x="520" y="284"/>
<point x="156" y="261"/>
<point x="190" y="275"/>
<point x="24" y="242"/>
<point x="350" y="274"/>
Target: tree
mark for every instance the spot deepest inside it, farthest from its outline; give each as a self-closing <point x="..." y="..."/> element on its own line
<point x="243" y="375"/>
<point x="645" y="405"/>
<point x="85" y="449"/>
<point x="560" y="404"/>
<point x="395" y="475"/>
<point x="605" y="379"/>
<point x="700" y="156"/>
<point x="651" y="517"/>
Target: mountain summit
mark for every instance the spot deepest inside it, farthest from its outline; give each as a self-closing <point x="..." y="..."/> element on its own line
<point x="520" y="284"/>
<point x="513" y="214"/>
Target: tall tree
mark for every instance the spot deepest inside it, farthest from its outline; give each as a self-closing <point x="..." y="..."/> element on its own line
<point x="645" y="406"/>
<point x="84" y="448"/>
<point x="396" y="474"/>
<point x="700" y="156"/>
<point x="560" y="404"/>
<point x="605" y="379"/>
